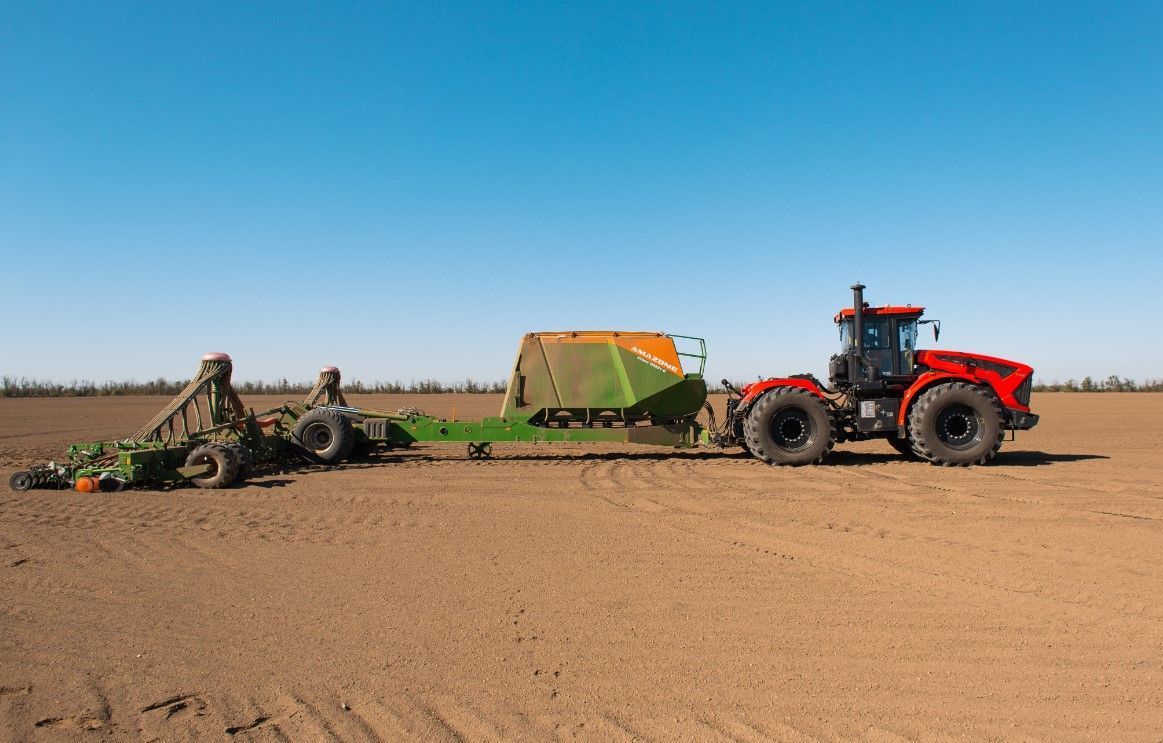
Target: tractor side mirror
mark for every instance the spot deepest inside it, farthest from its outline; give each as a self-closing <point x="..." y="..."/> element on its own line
<point x="936" y="328"/>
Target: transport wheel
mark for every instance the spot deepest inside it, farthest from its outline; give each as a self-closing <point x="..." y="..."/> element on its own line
<point x="323" y="436"/>
<point x="245" y="460"/>
<point x="956" y="425"/>
<point x="480" y="451"/>
<point x="224" y="465"/>
<point x="789" y="426"/>
<point x="21" y="481"/>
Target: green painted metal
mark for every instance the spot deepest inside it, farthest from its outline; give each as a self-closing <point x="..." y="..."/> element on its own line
<point x="579" y="386"/>
<point x="595" y="377"/>
<point x="421" y="428"/>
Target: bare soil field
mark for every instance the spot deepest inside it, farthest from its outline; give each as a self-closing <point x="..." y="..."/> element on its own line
<point x="598" y="593"/>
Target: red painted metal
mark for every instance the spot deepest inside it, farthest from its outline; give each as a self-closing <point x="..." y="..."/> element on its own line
<point x="886" y="310"/>
<point x="755" y="389"/>
<point x="948" y="366"/>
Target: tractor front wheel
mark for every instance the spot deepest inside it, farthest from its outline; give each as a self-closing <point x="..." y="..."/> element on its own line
<point x="324" y="436"/>
<point x="789" y="426"/>
<point x="956" y="425"/>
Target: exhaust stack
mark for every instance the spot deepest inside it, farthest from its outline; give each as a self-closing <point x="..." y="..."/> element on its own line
<point x="858" y="329"/>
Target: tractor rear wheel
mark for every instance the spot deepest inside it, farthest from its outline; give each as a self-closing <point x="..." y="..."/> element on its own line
<point x="956" y="424"/>
<point x="789" y="426"/>
<point x="223" y="465"/>
<point x="324" y="436"/>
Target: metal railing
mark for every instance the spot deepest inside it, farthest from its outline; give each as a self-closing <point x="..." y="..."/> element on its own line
<point x="701" y="355"/>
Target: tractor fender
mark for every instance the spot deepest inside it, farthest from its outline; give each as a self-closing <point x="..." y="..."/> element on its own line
<point x="756" y="390"/>
<point x="924" y="382"/>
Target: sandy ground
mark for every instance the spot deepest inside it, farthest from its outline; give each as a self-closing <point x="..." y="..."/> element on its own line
<point x="597" y="593"/>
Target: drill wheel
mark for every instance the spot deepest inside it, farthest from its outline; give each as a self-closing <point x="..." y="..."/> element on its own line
<point x="480" y="451"/>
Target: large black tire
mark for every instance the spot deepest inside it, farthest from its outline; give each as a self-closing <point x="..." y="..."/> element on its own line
<point x="956" y="424"/>
<point x="789" y="426"/>
<point x="21" y="481"/>
<point x="245" y="460"/>
<point x="225" y="465"/>
<point x="323" y="436"/>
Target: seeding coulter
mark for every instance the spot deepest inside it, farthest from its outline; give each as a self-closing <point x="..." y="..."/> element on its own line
<point x="943" y="407"/>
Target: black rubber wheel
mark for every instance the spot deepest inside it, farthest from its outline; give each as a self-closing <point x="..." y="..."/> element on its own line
<point x="21" y="481"/>
<point x="224" y="470"/>
<point x="789" y="426"/>
<point x="323" y="436"/>
<point x="956" y="424"/>
<point x="112" y="485"/>
<point x="245" y="460"/>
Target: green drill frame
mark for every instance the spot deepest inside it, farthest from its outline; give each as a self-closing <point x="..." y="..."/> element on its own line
<point x="401" y="430"/>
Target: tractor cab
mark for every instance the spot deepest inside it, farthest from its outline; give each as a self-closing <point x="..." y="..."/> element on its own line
<point x="889" y="336"/>
<point x="878" y="345"/>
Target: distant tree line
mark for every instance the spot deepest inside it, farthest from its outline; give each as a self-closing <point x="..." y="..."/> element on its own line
<point x="1112" y="383"/>
<point x="24" y="387"/>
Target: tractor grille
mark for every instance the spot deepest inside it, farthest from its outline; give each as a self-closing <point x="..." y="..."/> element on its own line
<point x="1022" y="393"/>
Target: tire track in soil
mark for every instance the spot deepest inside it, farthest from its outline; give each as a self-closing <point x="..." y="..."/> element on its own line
<point x="923" y="574"/>
<point x="465" y="722"/>
<point x="772" y="541"/>
<point x="391" y="720"/>
<point x="924" y="539"/>
<point x="328" y="527"/>
<point x="94" y="715"/>
<point x="610" y="477"/>
<point x="1049" y="505"/>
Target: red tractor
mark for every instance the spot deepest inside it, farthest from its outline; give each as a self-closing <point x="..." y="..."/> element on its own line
<point x="947" y="408"/>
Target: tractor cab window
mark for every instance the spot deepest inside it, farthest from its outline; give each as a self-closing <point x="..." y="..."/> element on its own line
<point x="907" y="331"/>
<point x="877" y="333"/>
<point x="878" y="345"/>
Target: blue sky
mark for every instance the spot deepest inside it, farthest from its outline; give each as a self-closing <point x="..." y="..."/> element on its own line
<point x="404" y="189"/>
